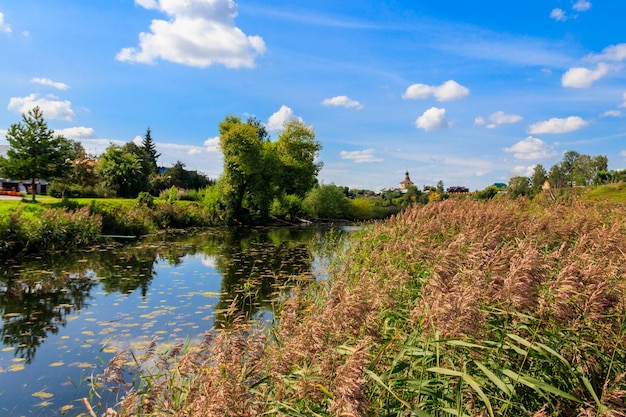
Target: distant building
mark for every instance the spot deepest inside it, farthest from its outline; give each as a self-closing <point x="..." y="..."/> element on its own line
<point x="404" y="185"/>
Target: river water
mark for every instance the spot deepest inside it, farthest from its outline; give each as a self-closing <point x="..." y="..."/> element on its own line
<point x="65" y="316"/>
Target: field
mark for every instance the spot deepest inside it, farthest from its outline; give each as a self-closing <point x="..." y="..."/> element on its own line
<point x="460" y="307"/>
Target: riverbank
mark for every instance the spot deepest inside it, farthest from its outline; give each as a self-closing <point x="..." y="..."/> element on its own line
<point x="505" y="307"/>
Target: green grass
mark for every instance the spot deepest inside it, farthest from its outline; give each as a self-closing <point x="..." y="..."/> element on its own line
<point x="609" y="192"/>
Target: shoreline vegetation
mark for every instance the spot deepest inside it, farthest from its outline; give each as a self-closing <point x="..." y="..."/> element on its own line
<point x="505" y="307"/>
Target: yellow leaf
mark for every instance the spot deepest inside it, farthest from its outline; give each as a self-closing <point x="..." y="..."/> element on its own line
<point x="59" y="363"/>
<point x="42" y="394"/>
<point x="16" y="367"/>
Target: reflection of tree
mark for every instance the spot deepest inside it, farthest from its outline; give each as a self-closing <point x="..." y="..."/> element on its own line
<point x="40" y="293"/>
<point x="33" y="311"/>
<point x="255" y="264"/>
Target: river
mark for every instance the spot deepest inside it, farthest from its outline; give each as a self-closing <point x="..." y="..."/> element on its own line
<point x="65" y="315"/>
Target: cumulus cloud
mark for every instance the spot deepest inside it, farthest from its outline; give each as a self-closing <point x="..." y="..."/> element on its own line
<point x="212" y="144"/>
<point x="500" y="117"/>
<point x="580" y="77"/>
<point x="582" y="5"/>
<point x="49" y="82"/>
<point x="450" y="90"/>
<point x="433" y="119"/>
<point x="278" y="119"/>
<point x="496" y="119"/>
<point x="612" y="53"/>
<point x="611" y="113"/>
<point x="523" y="171"/>
<point x="530" y="148"/>
<point x="558" y="15"/>
<point x="3" y="26"/>
<point x="51" y="107"/>
<point x="359" y="157"/>
<point x="76" y="133"/>
<point x="342" y="101"/>
<point x="558" y="125"/>
<point x="199" y="33"/>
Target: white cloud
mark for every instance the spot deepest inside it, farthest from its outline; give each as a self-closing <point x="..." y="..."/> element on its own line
<point x="3" y="26"/>
<point x="433" y="119"/>
<point x="76" y="133"/>
<point x="450" y="90"/>
<point x="479" y="121"/>
<point x="278" y="119"/>
<point x="582" y="5"/>
<point x="366" y="155"/>
<point x="523" y="171"/>
<point x="557" y="125"/>
<point x="51" y="108"/>
<point x="342" y="101"/>
<point x="531" y="148"/>
<point x="558" y="15"/>
<point x="212" y="144"/>
<point x="3" y="134"/>
<point x="199" y="33"/>
<point x="624" y="103"/>
<point x="49" y="82"/>
<point x="500" y="117"/>
<point x="580" y="77"/>
<point x="611" y="113"/>
<point x="623" y="153"/>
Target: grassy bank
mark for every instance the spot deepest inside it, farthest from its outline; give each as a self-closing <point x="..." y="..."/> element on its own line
<point x="54" y="225"/>
<point x="455" y="308"/>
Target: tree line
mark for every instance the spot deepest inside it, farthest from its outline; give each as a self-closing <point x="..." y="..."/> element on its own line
<point x="36" y="153"/>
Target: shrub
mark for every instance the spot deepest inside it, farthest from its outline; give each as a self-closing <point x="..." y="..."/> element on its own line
<point x="360" y="209"/>
<point x="326" y="201"/>
<point x="288" y="207"/>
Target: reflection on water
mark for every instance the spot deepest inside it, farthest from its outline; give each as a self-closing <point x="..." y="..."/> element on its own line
<point x="63" y="316"/>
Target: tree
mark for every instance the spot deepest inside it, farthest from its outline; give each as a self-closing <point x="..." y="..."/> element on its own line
<point x="539" y="178"/>
<point x="326" y="201"/>
<point x="121" y="171"/>
<point x="297" y="149"/>
<point x="150" y="150"/>
<point x="35" y="152"/>
<point x="519" y="186"/>
<point x="242" y="147"/>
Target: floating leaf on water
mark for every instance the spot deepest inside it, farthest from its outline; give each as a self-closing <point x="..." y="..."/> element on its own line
<point x="88" y="333"/>
<point x="64" y="337"/>
<point x="110" y="349"/>
<point x="6" y="349"/>
<point x="72" y="318"/>
<point x="9" y="315"/>
<point x="65" y="306"/>
<point x="18" y="359"/>
<point x="42" y="394"/>
<point x="16" y="367"/>
<point x="82" y="365"/>
<point x="211" y="294"/>
<point x="85" y="346"/>
<point x="59" y="363"/>
<point x="66" y="408"/>
<point x="44" y="404"/>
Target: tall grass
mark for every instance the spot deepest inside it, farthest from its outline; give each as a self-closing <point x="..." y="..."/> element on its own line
<point x="459" y="308"/>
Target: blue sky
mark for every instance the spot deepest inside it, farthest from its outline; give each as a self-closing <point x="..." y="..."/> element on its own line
<point x="470" y="93"/>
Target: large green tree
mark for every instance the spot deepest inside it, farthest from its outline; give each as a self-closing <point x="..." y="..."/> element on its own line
<point x="297" y="149"/>
<point x="242" y="145"/>
<point x="257" y="170"/>
<point x="121" y="171"/>
<point x="538" y="178"/>
<point x="35" y="152"/>
<point x="149" y="148"/>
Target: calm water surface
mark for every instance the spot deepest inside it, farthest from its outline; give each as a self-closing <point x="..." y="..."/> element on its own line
<point x="65" y="316"/>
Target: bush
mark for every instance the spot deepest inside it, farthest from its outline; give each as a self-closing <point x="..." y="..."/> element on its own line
<point x="288" y="207"/>
<point x="360" y="209"/>
<point x="326" y="201"/>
